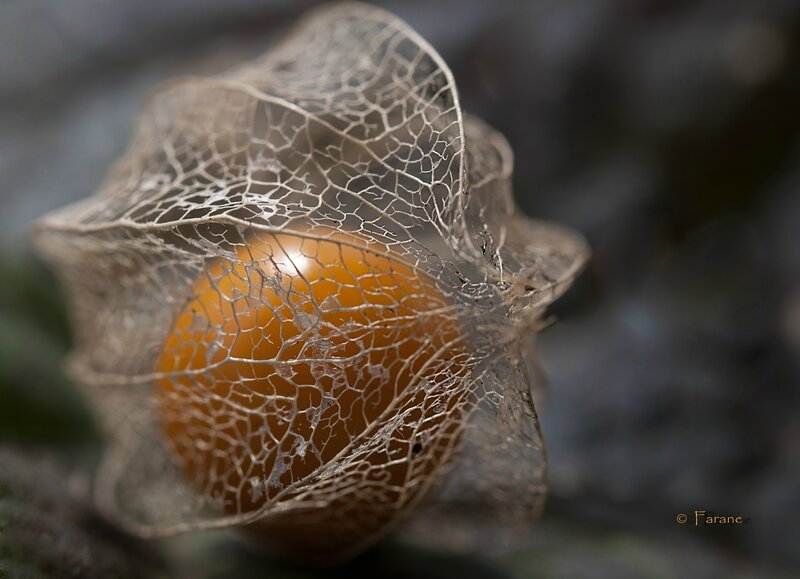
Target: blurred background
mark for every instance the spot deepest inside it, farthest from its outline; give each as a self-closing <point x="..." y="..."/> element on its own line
<point x="667" y="131"/>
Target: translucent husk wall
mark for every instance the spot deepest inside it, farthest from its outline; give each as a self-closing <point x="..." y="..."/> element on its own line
<point x="348" y="134"/>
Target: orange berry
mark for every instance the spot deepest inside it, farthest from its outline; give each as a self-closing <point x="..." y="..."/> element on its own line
<point x="291" y="355"/>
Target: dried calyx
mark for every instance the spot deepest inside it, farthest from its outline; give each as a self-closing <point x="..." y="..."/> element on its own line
<point x="299" y="299"/>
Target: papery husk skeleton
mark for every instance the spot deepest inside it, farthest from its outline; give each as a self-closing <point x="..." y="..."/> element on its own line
<point x="350" y="124"/>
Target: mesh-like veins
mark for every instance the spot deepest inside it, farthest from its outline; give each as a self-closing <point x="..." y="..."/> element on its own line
<point x="311" y="275"/>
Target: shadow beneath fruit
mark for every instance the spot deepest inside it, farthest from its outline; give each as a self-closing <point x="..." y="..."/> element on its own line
<point x="388" y="560"/>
